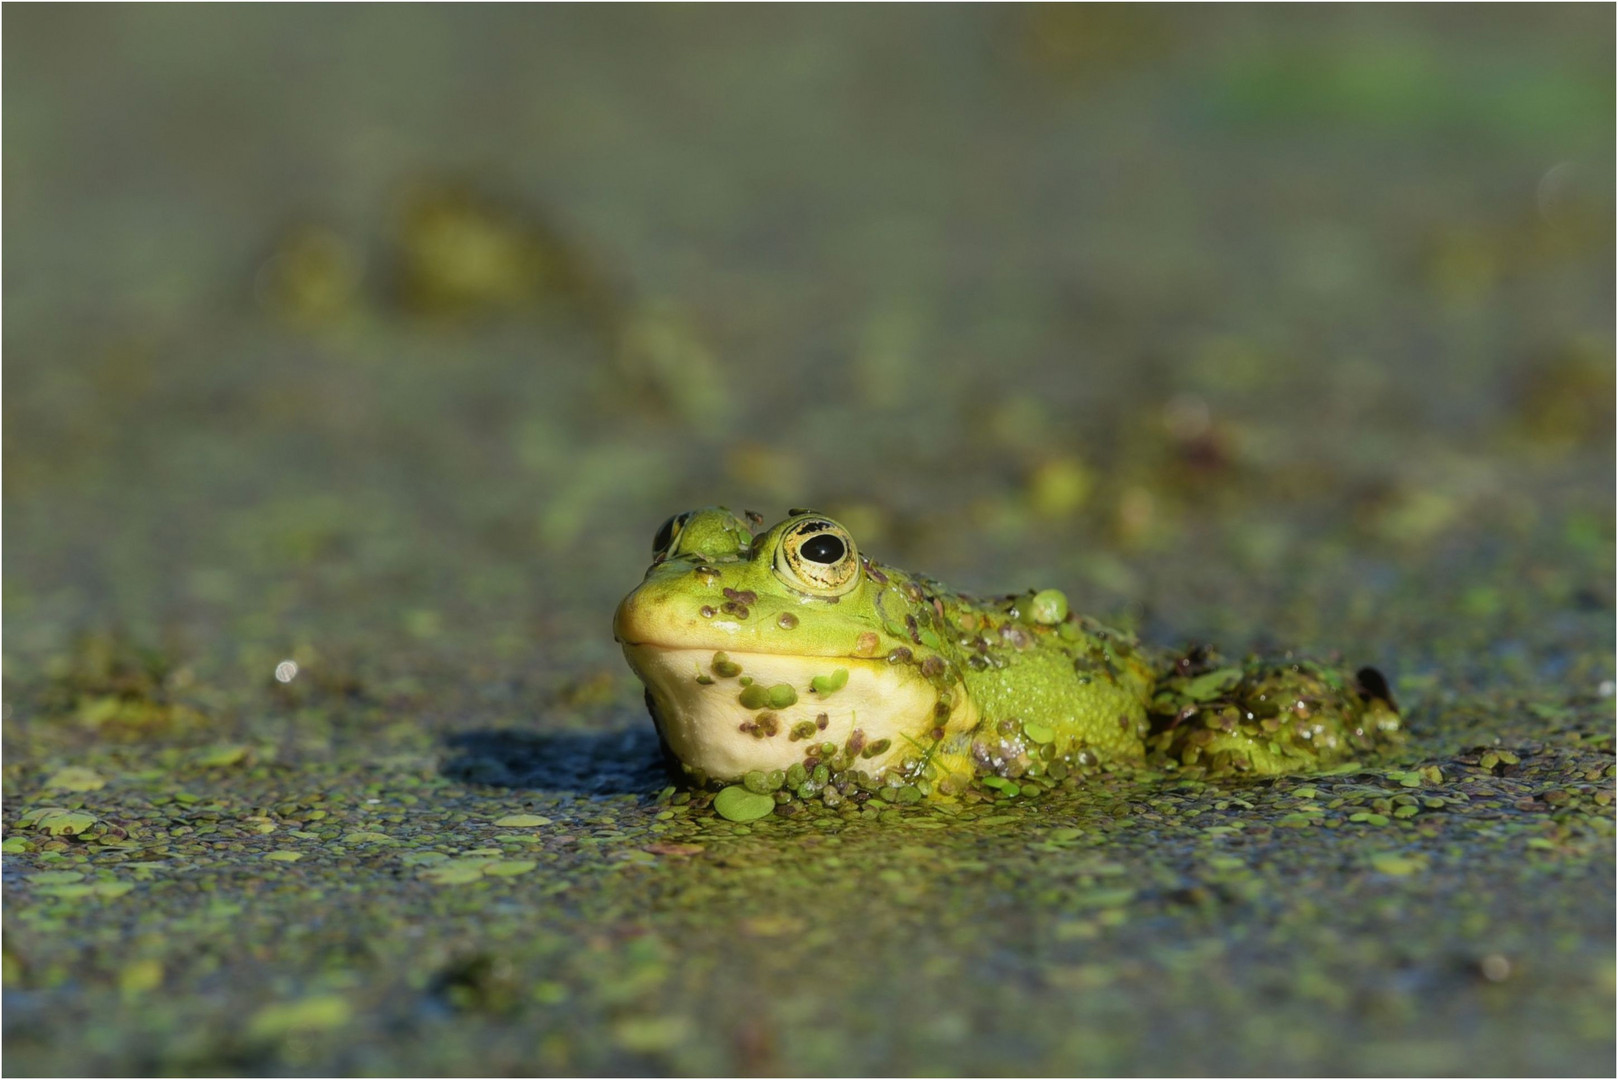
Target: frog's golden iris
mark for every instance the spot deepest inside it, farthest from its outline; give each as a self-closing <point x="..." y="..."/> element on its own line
<point x="790" y="647"/>
<point x="818" y="556"/>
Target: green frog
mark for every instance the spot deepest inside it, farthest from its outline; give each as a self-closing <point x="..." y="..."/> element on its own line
<point x="792" y="650"/>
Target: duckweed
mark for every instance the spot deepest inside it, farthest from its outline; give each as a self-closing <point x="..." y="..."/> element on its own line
<point x="829" y="684"/>
<point x="741" y="804"/>
<point x="1048" y="607"/>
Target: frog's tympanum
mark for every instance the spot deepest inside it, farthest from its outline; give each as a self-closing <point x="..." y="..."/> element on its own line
<point x="791" y="648"/>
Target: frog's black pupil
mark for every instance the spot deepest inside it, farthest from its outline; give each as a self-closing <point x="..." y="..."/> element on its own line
<point x="824" y="548"/>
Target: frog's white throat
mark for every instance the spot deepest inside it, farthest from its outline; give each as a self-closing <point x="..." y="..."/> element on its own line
<point x="702" y="714"/>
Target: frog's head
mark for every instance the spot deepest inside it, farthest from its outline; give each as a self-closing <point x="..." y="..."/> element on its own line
<point x="758" y="652"/>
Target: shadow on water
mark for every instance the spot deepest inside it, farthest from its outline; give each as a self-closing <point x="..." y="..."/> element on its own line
<point x="615" y="762"/>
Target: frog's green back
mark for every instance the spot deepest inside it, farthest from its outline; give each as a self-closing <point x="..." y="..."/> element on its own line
<point x="1046" y="685"/>
<point x="1101" y="714"/>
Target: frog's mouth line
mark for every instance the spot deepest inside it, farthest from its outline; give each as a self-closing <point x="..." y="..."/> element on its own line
<point x="724" y="726"/>
<point x="820" y="660"/>
<point x="643" y="624"/>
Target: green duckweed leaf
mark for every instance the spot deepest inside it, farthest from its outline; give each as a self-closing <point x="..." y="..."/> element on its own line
<point x="58" y="820"/>
<point x="829" y="684"/>
<point x="1208" y="686"/>
<point x="522" y="821"/>
<point x="1396" y="865"/>
<point x="290" y="1017"/>
<point x="456" y="871"/>
<point x="69" y="892"/>
<point x="76" y="778"/>
<point x="222" y="757"/>
<point x="738" y="804"/>
<point x="1048" y="607"/>
<point x="510" y="867"/>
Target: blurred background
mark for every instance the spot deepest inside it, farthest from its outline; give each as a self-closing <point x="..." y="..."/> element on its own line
<point x="382" y="339"/>
<point x="354" y="326"/>
<point x="363" y="326"/>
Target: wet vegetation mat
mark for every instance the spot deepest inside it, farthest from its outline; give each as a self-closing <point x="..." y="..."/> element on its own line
<point x="353" y="356"/>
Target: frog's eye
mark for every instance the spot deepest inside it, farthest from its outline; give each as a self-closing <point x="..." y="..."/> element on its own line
<point x="668" y="533"/>
<point x="818" y="556"/>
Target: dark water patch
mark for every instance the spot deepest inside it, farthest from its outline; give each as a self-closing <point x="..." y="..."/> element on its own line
<point x="619" y="761"/>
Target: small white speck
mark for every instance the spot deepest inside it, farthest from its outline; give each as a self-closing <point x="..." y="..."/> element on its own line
<point x="1551" y="194"/>
<point x="286" y="671"/>
<point x="373" y="802"/>
<point x="1605" y="689"/>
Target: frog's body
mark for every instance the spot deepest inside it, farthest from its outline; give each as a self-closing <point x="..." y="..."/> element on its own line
<point x="759" y="653"/>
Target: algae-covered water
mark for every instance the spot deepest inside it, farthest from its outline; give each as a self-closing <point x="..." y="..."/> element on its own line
<point x="353" y="357"/>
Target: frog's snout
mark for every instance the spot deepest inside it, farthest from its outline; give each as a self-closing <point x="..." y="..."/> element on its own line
<point x="627" y="619"/>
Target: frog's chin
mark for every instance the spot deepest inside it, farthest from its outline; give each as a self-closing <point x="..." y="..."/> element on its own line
<point x="885" y="709"/>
